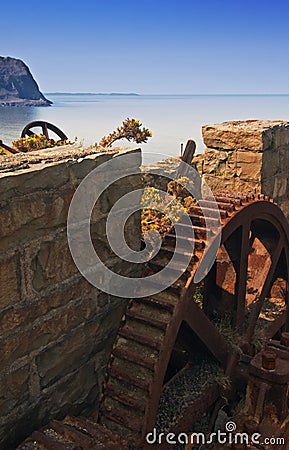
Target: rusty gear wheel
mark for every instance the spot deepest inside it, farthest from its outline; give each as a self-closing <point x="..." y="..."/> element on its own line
<point x="164" y="336"/>
<point x="179" y="353"/>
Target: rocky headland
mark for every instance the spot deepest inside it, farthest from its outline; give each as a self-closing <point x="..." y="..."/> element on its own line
<point x="17" y="85"/>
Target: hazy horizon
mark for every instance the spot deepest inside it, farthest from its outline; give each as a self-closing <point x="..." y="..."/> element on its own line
<point x="163" y="94"/>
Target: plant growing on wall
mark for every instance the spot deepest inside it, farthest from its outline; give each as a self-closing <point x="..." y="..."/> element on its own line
<point x="130" y="130"/>
<point x="152" y="218"/>
<point x="173" y="205"/>
<point x="37" y="142"/>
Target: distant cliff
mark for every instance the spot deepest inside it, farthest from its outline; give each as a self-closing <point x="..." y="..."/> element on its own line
<point x="17" y="85"/>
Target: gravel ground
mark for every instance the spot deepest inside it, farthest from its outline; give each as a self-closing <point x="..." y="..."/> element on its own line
<point x="186" y="386"/>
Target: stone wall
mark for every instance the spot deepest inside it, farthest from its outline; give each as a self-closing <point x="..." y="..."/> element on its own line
<point x="250" y="155"/>
<point x="56" y="330"/>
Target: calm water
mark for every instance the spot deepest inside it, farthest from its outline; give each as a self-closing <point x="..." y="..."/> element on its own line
<point x="172" y="118"/>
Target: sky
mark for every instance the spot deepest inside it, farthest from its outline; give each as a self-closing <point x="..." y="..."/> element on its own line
<point x="151" y="46"/>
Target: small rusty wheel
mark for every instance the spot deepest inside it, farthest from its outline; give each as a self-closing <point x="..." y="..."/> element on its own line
<point x="28" y="129"/>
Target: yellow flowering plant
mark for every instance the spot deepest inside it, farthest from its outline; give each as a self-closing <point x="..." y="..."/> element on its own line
<point x="37" y="142"/>
<point x="130" y="130"/>
<point x="152" y="218"/>
<point x="174" y="204"/>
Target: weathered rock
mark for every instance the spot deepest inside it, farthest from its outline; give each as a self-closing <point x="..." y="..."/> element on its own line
<point x="218" y="162"/>
<point x="22" y="314"/>
<point x="14" y="388"/>
<point x="256" y="135"/>
<point x="251" y="155"/>
<point x="248" y="165"/>
<point x="17" y="85"/>
<point x="52" y="263"/>
<point x="9" y="280"/>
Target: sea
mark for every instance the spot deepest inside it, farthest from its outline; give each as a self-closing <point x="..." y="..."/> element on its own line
<point x="173" y="119"/>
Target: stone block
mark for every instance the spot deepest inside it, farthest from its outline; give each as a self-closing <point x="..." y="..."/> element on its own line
<point x="212" y="160"/>
<point x="283" y="203"/>
<point x="65" y="357"/>
<point x="270" y="163"/>
<point x="87" y="206"/>
<point x="198" y="160"/>
<point x="234" y="184"/>
<point x="9" y="281"/>
<point x="14" y="389"/>
<point x="246" y="186"/>
<point x="43" y="169"/>
<point x="17" y="213"/>
<point x="128" y="159"/>
<point x="255" y="135"/>
<point x="283" y="152"/>
<point x="75" y="349"/>
<point x="74" y="394"/>
<point x="47" y="330"/>
<point x="49" y="169"/>
<point x="280" y="186"/>
<point x="268" y="186"/>
<point x="219" y="163"/>
<point x="281" y="136"/>
<point x="219" y="183"/>
<point x="52" y="264"/>
<point x="132" y="231"/>
<point x="160" y="174"/>
<point x="249" y="165"/>
<point x="120" y="188"/>
<point x="39" y="177"/>
<point x="18" y="316"/>
<point x="14" y="347"/>
<point x="19" y="424"/>
<point x="62" y="321"/>
<point x="29" y="217"/>
<point x="81" y="167"/>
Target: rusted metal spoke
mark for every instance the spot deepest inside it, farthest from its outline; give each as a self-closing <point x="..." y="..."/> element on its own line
<point x="8" y="150"/>
<point x="257" y="306"/>
<point x="287" y="307"/>
<point x="187" y="157"/>
<point x="241" y="283"/>
<point x="45" y="130"/>
<point x="208" y="333"/>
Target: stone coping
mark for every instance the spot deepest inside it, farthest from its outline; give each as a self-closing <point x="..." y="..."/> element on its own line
<point x="255" y="135"/>
<point x="56" y="154"/>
